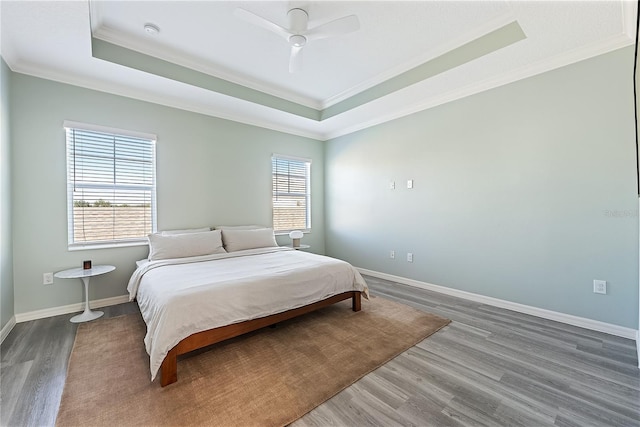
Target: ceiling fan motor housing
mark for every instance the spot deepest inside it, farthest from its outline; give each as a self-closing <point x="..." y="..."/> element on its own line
<point x="298" y="34"/>
<point x="298" y="20"/>
<point x="297" y="40"/>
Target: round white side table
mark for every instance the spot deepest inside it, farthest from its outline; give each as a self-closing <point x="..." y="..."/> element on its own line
<point x="85" y="275"/>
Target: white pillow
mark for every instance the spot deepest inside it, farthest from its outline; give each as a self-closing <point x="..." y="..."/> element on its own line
<point x="186" y="231"/>
<point x="167" y="246"/>
<point x="238" y="227"/>
<point x="238" y="240"/>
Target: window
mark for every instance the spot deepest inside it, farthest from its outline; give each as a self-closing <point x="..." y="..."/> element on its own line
<point x="291" y="193"/>
<point x="111" y="186"/>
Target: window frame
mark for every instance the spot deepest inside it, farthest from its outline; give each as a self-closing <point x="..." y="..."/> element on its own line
<point x="307" y="194"/>
<point x="73" y="245"/>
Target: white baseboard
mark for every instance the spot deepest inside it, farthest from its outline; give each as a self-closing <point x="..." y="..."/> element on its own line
<point x="7" y="328"/>
<point x="569" y="319"/>
<point x="71" y="308"/>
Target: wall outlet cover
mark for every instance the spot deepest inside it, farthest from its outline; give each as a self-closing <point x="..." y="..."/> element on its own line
<point x="600" y="286"/>
<point x="47" y="278"/>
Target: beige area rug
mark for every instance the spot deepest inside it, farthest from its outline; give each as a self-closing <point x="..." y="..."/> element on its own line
<point x="269" y="377"/>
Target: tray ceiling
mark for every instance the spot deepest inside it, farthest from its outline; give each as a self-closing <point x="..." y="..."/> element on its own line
<point x="406" y="56"/>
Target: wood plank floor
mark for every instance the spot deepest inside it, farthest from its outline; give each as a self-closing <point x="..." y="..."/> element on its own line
<point x="489" y="367"/>
<point x="33" y="367"/>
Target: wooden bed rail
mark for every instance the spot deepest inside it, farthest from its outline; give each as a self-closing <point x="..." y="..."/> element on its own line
<point x="169" y="368"/>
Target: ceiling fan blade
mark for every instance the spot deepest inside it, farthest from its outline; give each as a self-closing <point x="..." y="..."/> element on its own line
<point x="295" y="60"/>
<point x="262" y="22"/>
<point x="337" y="27"/>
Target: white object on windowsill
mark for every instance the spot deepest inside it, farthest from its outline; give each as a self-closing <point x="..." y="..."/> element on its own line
<point x="295" y="236"/>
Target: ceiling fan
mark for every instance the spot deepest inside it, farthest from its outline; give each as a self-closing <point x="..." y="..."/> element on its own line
<point x="298" y="35"/>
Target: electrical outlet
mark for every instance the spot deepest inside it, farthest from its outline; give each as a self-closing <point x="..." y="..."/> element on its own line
<point x="410" y="183"/>
<point x="599" y="286"/>
<point x="409" y="257"/>
<point x="47" y="278"/>
<point x="392" y="254"/>
<point x="392" y="185"/>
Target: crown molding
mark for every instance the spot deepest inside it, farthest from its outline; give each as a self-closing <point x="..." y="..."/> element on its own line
<point x="558" y="61"/>
<point x="629" y="18"/>
<point x="476" y="33"/>
<point x="141" y="95"/>
<point x="7" y="51"/>
<point x="323" y="133"/>
<point x="112" y="36"/>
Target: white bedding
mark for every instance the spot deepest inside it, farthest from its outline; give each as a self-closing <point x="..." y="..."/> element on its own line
<point x="180" y="297"/>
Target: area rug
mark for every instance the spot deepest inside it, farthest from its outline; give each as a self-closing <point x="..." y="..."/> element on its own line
<point x="269" y="377"/>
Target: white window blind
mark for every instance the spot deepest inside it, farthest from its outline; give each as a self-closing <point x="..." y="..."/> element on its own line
<point x="111" y="187"/>
<point x="291" y="194"/>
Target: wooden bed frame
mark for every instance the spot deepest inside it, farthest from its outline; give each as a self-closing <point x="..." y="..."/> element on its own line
<point x="169" y="368"/>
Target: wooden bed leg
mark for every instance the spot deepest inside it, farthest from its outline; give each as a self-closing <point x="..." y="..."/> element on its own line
<point x="169" y="368"/>
<point x="355" y="301"/>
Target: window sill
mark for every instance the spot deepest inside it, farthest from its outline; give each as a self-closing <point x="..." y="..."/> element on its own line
<point x="106" y="245"/>
<point x="286" y="233"/>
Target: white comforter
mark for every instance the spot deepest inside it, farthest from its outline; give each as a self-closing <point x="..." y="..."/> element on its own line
<point x="180" y="297"/>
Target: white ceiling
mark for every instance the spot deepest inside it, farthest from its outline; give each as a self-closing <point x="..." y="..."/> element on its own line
<point x="53" y="40"/>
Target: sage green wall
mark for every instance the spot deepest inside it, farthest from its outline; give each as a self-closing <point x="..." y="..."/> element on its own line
<point x="526" y="193"/>
<point x="209" y="172"/>
<point x="6" y="254"/>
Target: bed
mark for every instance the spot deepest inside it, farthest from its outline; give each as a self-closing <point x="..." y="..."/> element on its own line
<point x="193" y="301"/>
